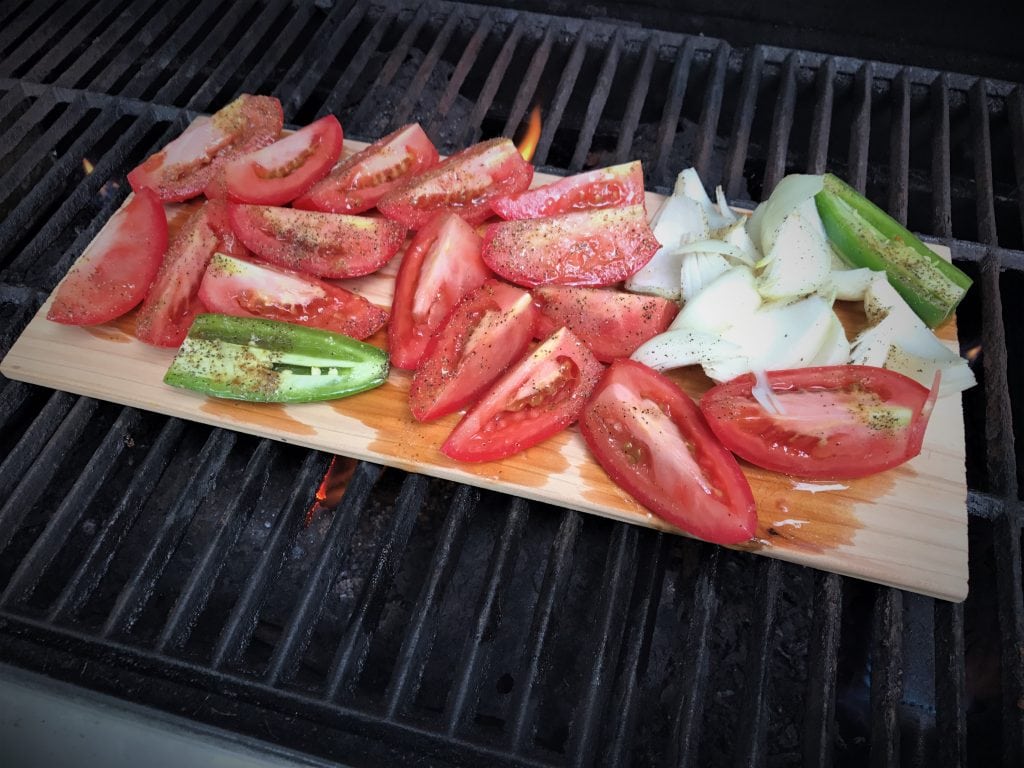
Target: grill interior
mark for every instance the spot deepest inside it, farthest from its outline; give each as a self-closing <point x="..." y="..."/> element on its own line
<point x="421" y="622"/>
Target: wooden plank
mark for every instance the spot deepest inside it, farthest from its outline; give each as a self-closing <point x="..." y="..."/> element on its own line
<point x="906" y="527"/>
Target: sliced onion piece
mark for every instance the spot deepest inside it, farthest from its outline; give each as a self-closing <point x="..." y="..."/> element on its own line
<point x="789" y="193"/>
<point x="835" y="349"/>
<point x="689" y="185"/>
<point x="799" y="262"/>
<point x="699" y="268"/>
<point x="682" y="347"/>
<point x="737" y="236"/>
<point x="659" y="276"/>
<point x="724" y="210"/>
<point x="680" y="220"/>
<point x="723" y="300"/>
<point x="852" y="284"/>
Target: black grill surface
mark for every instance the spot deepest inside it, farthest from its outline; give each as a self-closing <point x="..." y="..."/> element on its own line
<point x="418" y="622"/>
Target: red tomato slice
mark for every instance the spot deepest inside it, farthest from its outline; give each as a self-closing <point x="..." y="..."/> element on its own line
<point x="117" y="268"/>
<point x="244" y="288"/>
<point x="488" y="331"/>
<point x="441" y="265"/>
<point x="586" y="248"/>
<point x="323" y="244"/>
<point x="601" y="188"/>
<point x="184" y="167"/>
<point x="836" y="423"/>
<point x="613" y="324"/>
<point x="358" y="182"/>
<point x="279" y="173"/>
<point x="651" y="439"/>
<point x="541" y="395"/>
<point x="465" y="184"/>
<point x="172" y="302"/>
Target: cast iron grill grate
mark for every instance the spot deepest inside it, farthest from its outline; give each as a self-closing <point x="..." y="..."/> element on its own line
<point x="422" y="622"/>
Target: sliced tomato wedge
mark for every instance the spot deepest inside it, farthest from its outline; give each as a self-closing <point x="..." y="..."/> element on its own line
<point x="600" y="188"/>
<point x="541" y="395"/>
<point x="587" y="248"/>
<point x="488" y="331"/>
<point x="652" y="440"/>
<point x="465" y="184"/>
<point x="612" y="323"/>
<point x="233" y="286"/>
<point x="172" y="303"/>
<point x="440" y="267"/>
<point x="358" y="182"/>
<point x="115" y="271"/>
<point x="279" y="173"/>
<point x="330" y="245"/>
<point x="830" y="423"/>
<point x="184" y="167"/>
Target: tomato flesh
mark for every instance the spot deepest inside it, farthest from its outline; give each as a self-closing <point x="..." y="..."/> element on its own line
<point x="593" y="248"/>
<point x="836" y="422"/>
<point x="540" y="395"/>
<point x="488" y="331"/>
<point x="279" y="173"/>
<point x="464" y="183"/>
<point x="242" y="288"/>
<point x="114" y="273"/>
<point x="652" y="440"/>
<point x="358" y="182"/>
<point x="441" y="265"/>
<point x="612" y="323"/>
<point x="184" y="168"/>
<point x="600" y="188"/>
<point x="329" y="245"/>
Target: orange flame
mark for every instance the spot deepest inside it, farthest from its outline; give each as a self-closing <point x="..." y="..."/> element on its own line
<point x="528" y="144"/>
<point x="332" y="487"/>
<point x="87" y="166"/>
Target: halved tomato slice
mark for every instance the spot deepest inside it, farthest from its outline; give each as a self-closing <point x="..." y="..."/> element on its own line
<point x="243" y="288"/>
<point x="831" y="423"/>
<point x="441" y="265"/>
<point x="172" y="302"/>
<point x="323" y="244"/>
<point x="541" y="395"/>
<point x="612" y="323"/>
<point x="488" y="331"/>
<point x="600" y="188"/>
<point x="186" y="165"/>
<point x="358" y="182"/>
<point x="586" y="248"/>
<point x="115" y="271"/>
<point x="279" y="173"/>
<point x="465" y="184"/>
<point x="651" y="439"/>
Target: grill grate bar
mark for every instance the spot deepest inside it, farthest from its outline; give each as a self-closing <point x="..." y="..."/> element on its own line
<point x="670" y="114"/>
<point x="29" y="121"/>
<point x="821" y="123"/>
<point x="528" y="88"/>
<point x="860" y="129"/>
<point x="419" y="637"/>
<point x="293" y="640"/>
<point x="740" y="140"/>
<point x="12" y="397"/>
<point x="156" y="28"/>
<point x="565" y="87"/>
<point x="55" y="60"/>
<point x="28" y="18"/>
<point x="494" y="79"/>
<point x="982" y="150"/>
<point x="459" y="74"/>
<point x="711" y="110"/>
<point x="1016" y="114"/>
<point x="72" y="507"/>
<point x="620" y="567"/>
<point x="136" y="592"/>
<point x="635" y="104"/>
<point x="43" y="35"/>
<point x="886" y="677"/>
<point x="357" y="66"/>
<point x="942" y="195"/>
<point x="1001" y="459"/>
<point x="427" y="67"/>
<point x="899" y="149"/>
<point x="1010" y="610"/>
<point x="241" y="621"/>
<point x="598" y="99"/>
<point x="556" y="579"/>
<point x="281" y="42"/>
<point x="782" y="125"/>
<point x="196" y="591"/>
<point x="823" y="661"/>
<point x="950" y="684"/>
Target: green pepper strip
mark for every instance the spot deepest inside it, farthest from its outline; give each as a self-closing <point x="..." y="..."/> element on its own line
<point x="866" y="236"/>
<point x="268" y="361"/>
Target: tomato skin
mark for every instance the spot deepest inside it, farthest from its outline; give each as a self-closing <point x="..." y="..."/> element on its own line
<point x="441" y="265"/>
<point x="464" y="183"/>
<point x="280" y="172"/>
<point x="600" y="188"/>
<point x="652" y="440"/>
<point x="242" y="288"/>
<point x="538" y="397"/>
<point x="488" y="331"/>
<point x="359" y="181"/>
<point x="591" y="248"/>
<point x="837" y="422"/>
<point x="116" y="269"/>
<point x="183" y="168"/>
<point x="612" y="323"/>
<point x="331" y="245"/>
